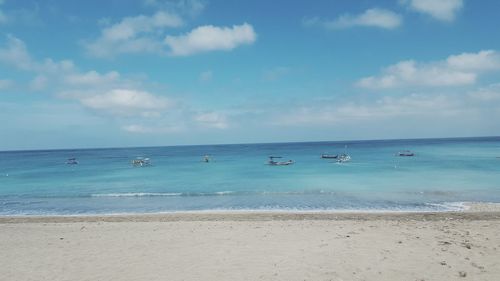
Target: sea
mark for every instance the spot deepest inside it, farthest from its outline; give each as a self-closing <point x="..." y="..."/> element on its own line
<point x="441" y="176"/>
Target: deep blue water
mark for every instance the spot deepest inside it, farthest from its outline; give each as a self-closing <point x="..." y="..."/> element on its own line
<point x="442" y="172"/>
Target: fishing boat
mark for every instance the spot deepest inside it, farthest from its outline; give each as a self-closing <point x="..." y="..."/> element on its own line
<point x="343" y="158"/>
<point x="406" y="153"/>
<point x="71" y="161"/>
<point x="329" y="156"/>
<point x="273" y="162"/>
<point x="141" y="162"/>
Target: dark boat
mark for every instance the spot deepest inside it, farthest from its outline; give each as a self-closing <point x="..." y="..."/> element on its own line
<point x="406" y="153"/>
<point x="329" y="156"/>
<point x="71" y="161"/>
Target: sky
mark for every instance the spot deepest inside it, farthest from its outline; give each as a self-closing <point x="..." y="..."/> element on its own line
<point x="81" y="74"/>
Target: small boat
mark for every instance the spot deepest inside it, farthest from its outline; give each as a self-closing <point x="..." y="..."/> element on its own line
<point x="406" y="153"/>
<point x="71" y="161"/>
<point x="329" y="156"/>
<point x="272" y="162"/>
<point x="206" y="158"/>
<point x="141" y="162"/>
<point x="343" y="158"/>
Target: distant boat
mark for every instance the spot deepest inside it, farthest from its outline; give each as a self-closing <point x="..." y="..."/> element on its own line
<point x="206" y="158"/>
<point x="141" y="162"/>
<point x="272" y="162"/>
<point x="406" y="153"/>
<point x="329" y="156"/>
<point x="71" y="161"/>
<point x="343" y="158"/>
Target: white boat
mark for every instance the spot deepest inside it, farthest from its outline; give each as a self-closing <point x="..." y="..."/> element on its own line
<point x="343" y="158"/>
<point x="141" y="162"/>
<point x="272" y="162"/>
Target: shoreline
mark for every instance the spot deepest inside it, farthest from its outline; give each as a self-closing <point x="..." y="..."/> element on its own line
<point x="470" y="211"/>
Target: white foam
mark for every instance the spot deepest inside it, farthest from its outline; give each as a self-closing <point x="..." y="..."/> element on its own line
<point x="137" y="194"/>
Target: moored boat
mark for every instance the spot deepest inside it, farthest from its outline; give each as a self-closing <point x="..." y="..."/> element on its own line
<point x="329" y="156"/>
<point x="272" y="162"/>
<point x="406" y="153"/>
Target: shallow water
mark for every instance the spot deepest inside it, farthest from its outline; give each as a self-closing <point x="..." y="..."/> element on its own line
<point x="442" y="172"/>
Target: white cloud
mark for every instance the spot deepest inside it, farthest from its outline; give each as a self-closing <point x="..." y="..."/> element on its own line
<point x="15" y="53"/>
<point x="109" y="94"/>
<point x="488" y="94"/>
<point x="125" y="102"/>
<point x="133" y="35"/>
<point x="206" y="76"/>
<point x="444" y="10"/>
<point x="456" y="70"/>
<point x="211" y="38"/>
<point x="141" y="129"/>
<point x="91" y="78"/>
<point x="380" y="18"/>
<point x="212" y="120"/>
<point x="481" y="61"/>
<point x="414" y="105"/>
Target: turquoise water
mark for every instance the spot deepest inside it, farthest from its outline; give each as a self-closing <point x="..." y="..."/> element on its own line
<point x="442" y="173"/>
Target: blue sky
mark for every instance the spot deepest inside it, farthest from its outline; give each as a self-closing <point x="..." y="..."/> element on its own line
<point x="156" y="72"/>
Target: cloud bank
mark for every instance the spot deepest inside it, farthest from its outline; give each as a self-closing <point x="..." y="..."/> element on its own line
<point x="456" y="70"/>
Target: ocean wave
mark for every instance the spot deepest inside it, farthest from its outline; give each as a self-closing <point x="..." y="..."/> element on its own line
<point x="137" y="194"/>
<point x="449" y="206"/>
<point x="215" y="193"/>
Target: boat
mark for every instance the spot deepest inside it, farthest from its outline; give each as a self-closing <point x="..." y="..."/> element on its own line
<point x="329" y="156"/>
<point x="406" y="153"/>
<point x="71" y="161"/>
<point x="272" y="162"/>
<point x="206" y="158"/>
<point x="141" y="162"/>
<point x="343" y="158"/>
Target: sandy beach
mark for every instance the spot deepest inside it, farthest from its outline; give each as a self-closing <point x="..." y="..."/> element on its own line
<point x="254" y="246"/>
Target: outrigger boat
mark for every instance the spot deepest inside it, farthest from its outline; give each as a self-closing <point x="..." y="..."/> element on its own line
<point x="344" y="158"/>
<point x="406" y="153"/>
<point x="141" y="162"/>
<point x="329" y="156"/>
<point x="71" y="161"/>
<point x="206" y="158"/>
<point x="272" y="162"/>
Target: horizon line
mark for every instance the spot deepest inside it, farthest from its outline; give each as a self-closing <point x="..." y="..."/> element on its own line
<point x="253" y="143"/>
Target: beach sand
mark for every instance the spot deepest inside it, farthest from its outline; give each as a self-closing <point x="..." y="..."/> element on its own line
<point x="254" y="246"/>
